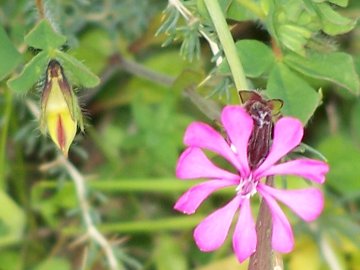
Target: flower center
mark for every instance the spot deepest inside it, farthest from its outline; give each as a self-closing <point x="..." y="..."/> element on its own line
<point x="247" y="187"/>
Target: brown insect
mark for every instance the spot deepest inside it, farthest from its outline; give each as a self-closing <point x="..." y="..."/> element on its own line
<point x="264" y="113"/>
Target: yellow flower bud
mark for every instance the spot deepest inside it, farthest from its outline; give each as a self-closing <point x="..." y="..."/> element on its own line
<point x="60" y="110"/>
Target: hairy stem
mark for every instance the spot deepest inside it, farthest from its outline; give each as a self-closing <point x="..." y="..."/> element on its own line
<point x="92" y="231"/>
<point x="227" y="42"/>
<point x="262" y="258"/>
<point x="79" y="182"/>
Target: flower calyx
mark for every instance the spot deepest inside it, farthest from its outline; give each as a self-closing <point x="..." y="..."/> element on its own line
<point x="60" y="111"/>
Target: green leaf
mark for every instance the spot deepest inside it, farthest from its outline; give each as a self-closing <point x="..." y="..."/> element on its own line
<point x="344" y="160"/>
<point x="334" y="67"/>
<point x="43" y="36"/>
<point x="334" y="23"/>
<point x="31" y="73"/>
<point x="300" y="99"/>
<point x="77" y="72"/>
<point x="95" y="48"/>
<point x="256" y="57"/>
<point x="12" y="219"/>
<point x="239" y="13"/>
<point x="9" y="56"/>
<point x="294" y="37"/>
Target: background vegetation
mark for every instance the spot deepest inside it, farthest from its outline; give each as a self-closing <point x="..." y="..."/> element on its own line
<point x="306" y="52"/>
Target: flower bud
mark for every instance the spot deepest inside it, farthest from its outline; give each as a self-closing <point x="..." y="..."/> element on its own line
<point x="60" y="110"/>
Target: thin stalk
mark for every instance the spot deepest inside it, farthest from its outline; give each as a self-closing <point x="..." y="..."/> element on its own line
<point x="227" y="43"/>
<point x="91" y="229"/>
<point x="4" y="135"/>
<point x="80" y="186"/>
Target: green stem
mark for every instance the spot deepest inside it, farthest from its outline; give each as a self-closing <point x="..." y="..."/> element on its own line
<point x="227" y="43"/>
<point x="4" y="134"/>
<point x="144" y="226"/>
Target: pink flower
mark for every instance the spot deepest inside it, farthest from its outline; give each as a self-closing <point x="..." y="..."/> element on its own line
<point x="210" y="234"/>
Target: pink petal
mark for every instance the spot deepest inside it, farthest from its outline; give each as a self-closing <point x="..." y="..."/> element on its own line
<point x="306" y="203"/>
<point x="191" y="199"/>
<point x="288" y="133"/>
<point x="203" y="136"/>
<point x="238" y="125"/>
<point x="310" y="169"/>
<point x="210" y="234"/>
<point x="193" y="163"/>
<point x="282" y="239"/>
<point x="244" y="238"/>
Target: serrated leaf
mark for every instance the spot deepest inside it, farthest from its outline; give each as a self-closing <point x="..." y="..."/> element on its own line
<point x="43" y="36"/>
<point x="31" y="73"/>
<point x="9" y="55"/>
<point x="300" y="99"/>
<point x="77" y="72"/>
<point x="334" y="23"/>
<point x="335" y="67"/>
<point x="256" y="57"/>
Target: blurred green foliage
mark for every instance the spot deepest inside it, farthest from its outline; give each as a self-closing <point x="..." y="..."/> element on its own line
<point x="306" y="52"/>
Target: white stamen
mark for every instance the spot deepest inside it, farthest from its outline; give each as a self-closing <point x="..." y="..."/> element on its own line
<point x="233" y="148"/>
<point x="247" y="187"/>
